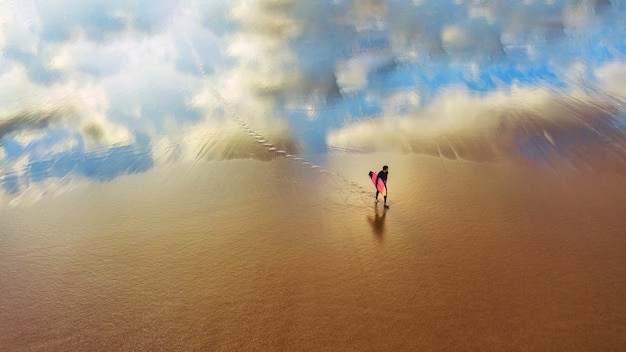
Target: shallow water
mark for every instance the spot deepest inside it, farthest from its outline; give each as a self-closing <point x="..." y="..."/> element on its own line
<point x="277" y="255"/>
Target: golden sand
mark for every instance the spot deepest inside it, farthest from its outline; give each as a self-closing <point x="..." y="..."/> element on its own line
<point x="246" y="255"/>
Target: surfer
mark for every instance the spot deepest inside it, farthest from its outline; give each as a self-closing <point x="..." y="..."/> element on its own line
<point x="383" y="176"/>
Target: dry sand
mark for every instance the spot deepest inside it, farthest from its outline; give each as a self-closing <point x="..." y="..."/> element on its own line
<point x="247" y="255"/>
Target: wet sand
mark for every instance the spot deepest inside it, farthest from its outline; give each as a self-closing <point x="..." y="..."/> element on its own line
<point x="247" y="255"/>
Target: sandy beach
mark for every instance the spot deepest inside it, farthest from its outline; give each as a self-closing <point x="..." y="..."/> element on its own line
<point x="279" y="255"/>
<point x="193" y="175"/>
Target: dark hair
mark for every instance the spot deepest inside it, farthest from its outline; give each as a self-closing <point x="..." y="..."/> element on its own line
<point x="385" y="167"/>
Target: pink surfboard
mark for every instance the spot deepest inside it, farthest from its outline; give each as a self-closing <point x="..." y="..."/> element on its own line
<point x="380" y="186"/>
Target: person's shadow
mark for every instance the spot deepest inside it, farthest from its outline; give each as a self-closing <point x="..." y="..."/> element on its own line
<point x="378" y="222"/>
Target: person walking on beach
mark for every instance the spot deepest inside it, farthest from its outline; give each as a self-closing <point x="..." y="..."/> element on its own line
<point x="383" y="176"/>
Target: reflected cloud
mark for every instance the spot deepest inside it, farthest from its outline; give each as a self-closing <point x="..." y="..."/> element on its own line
<point x="33" y="119"/>
<point x="535" y="124"/>
<point x="174" y="81"/>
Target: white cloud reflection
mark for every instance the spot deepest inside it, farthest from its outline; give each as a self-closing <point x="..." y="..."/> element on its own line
<point x="122" y="86"/>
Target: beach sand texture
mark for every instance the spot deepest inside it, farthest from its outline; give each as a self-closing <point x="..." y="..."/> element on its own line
<point x="248" y="255"/>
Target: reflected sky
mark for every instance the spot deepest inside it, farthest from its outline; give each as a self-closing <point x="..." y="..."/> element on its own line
<point x="92" y="90"/>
